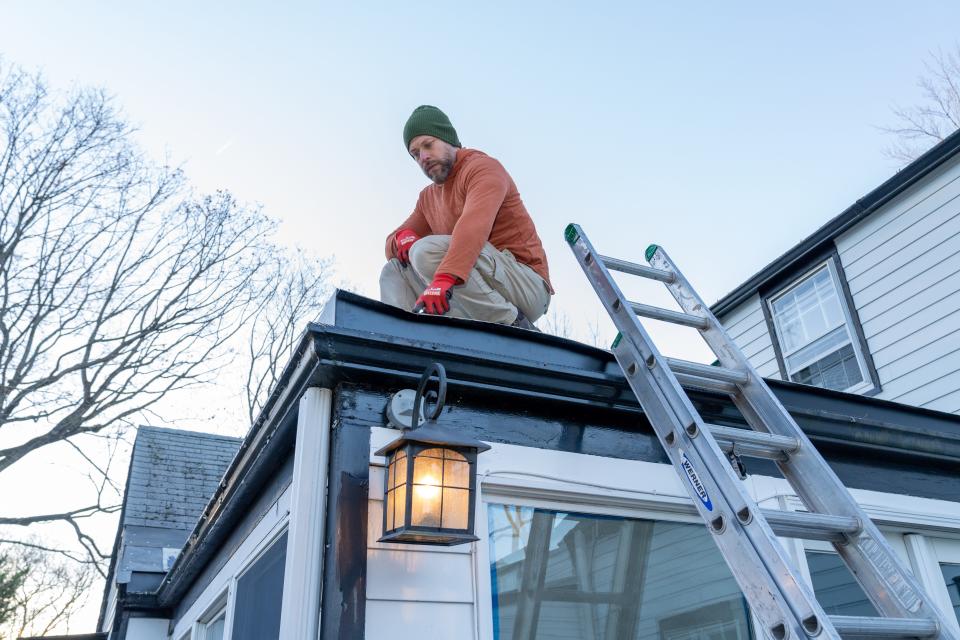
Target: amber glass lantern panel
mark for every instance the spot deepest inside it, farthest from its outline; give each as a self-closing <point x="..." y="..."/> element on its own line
<point x="395" y="503"/>
<point x="441" y="489"/>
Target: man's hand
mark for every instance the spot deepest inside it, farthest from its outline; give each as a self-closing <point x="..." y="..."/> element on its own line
<point x="436" y="298"/>
<point x="403" y="240"/>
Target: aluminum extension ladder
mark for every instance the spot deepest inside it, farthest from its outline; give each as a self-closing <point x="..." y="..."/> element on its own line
<point x="747" y="535"/>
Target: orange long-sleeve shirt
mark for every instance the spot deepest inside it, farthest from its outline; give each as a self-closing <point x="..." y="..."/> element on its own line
<point x="477" y="203"/>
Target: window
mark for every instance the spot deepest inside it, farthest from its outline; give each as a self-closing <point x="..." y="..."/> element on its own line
<point x="951" y="575"/>
<point x="564" y="575"/>
<point x="213" y="628"/>
<point x="816" y="335"/>
<point x="256" y="614"/>
<point x="835" y="587"/>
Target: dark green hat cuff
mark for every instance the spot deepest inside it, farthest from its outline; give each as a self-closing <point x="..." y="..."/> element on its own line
<point x="429" y="121"/>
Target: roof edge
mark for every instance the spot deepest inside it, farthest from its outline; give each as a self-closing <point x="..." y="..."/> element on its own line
<point x="862" y="208"/>
<point x="250" y="457"/>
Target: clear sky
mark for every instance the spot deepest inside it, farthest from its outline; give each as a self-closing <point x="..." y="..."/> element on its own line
<point x="725" y="132"/>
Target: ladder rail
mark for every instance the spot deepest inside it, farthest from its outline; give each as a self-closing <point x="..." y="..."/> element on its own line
<point x="766" y="574"/>
<point x="892" y="589"/>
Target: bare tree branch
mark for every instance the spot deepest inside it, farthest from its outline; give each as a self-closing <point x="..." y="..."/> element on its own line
<point x="921" y="126"/>
<point x="120" y="286"/>
<point x="51" y="594"/>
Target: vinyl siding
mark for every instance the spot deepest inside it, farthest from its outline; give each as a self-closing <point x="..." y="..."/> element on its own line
<point x="415" y="591"/>
<point x="903" y="269"/>
<point x="902" y="265"/>
<point x="748" y="328"/>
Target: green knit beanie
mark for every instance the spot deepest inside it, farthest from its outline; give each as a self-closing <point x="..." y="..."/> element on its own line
<point x="429" y="121"/>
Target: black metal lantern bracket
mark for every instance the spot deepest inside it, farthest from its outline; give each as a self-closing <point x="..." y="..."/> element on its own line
<point x="428" y="431"/>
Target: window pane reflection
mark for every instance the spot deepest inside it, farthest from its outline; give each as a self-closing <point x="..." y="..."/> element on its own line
<point x="951" y="574"/>
<point x="563" y="575"/>
<point x="835" y="587"/>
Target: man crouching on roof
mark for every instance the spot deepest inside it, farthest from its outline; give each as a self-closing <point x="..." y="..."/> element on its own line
<point x="469" y="248"/>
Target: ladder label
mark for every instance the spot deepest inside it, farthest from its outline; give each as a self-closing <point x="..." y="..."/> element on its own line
<point x="887" y="570"/>
<point x="694" y="479"/>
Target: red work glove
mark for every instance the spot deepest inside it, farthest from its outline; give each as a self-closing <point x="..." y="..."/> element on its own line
<point x="436" y="297"/>
<point x="403" y="240"/>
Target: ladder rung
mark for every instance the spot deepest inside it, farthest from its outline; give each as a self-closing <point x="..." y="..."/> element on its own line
<point x="811" y="526"/>
<point x="676" y="317"/>
<point x="752" y="443"/>
<point x="863" y="627"/>
<point x="635" y="269"/>
<point x="706" y="371"/>
<point x="707" y="384"/>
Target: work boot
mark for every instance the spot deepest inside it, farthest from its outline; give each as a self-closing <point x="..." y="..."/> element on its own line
<point x="523" y="323"/>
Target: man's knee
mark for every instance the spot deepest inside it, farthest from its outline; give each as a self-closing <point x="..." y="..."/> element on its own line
<point x="390" y="272"/>
<point x="427" y="253"/>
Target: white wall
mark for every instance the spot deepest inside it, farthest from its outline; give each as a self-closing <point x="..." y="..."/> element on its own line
<point x="748" y="328"/>
<point x="903" y="269"/>
<point x="147" y="628"/>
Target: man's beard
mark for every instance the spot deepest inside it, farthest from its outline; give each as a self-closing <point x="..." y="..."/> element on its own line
<point x="441" y="171"/>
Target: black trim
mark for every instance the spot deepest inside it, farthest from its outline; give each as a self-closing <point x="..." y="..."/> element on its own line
<point x="344" y="597"/>
<point x="855" y="213"/>
<point x="860" y="449"/>
<point x="782" y="283"/>
<point x="772" y="334"/>
<point x="857" y="325"/>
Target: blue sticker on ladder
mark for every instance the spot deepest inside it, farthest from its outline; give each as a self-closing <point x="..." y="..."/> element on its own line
<point x="694" y="479"/>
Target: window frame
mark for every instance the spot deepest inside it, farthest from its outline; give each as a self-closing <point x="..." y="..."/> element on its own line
<point x="219" y="608"/>
<point x="870" y="385"/>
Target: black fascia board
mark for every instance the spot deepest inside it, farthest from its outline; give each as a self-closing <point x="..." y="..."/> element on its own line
<point x="529" y="366"/>
<point x="798" y="256"/>
<point x="367" y="342"/>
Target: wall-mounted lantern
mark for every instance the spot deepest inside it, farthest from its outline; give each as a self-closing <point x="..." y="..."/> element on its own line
<point x="431" y="477"/>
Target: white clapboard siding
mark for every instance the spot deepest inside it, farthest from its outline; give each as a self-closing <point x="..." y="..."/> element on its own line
<point x="415" y="591"/>
<point x="903" y="269"/>
<point x="926" y="308"/>
<point x="409" y="620"/>
<point x="748" y="328"/>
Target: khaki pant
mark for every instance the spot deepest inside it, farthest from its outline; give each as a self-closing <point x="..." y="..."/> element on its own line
<point x="497" y="287"/>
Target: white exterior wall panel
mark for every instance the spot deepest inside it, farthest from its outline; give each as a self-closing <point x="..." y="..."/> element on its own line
<point x="903" y="269"/>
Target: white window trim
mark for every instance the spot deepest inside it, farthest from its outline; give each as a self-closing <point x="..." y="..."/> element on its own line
<point x="268" y="530"/>
<point x="867" y="382"/>
<point x="218" y="608"/>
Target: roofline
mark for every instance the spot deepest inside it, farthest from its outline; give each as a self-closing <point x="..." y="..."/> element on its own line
<point x="513" y="362"/>
<point x="855" y="213"/>
<point x="272" y="429"/>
